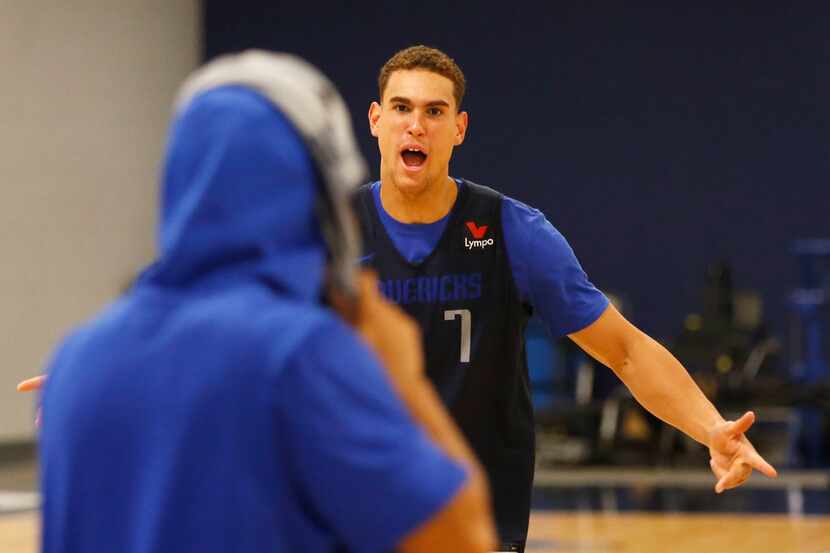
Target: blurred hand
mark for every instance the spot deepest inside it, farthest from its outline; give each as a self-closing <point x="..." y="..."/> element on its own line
<point x="390" y="332"/>
<point x="732" y="456"/>
<point x="31" y="384"/>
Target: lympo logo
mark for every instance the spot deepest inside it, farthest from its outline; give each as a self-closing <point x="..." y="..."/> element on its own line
<point x="478" y="233"/>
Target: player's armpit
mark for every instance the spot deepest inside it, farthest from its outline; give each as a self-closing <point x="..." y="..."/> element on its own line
<point x="463" y="525"/>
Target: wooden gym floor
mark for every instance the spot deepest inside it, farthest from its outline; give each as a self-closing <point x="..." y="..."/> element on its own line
<point x="600" y="511"/>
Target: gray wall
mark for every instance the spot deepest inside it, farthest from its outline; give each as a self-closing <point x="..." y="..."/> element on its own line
<point x="86" y="94"/>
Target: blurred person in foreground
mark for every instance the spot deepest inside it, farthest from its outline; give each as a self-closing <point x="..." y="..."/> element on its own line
<point x="221" y="405"/>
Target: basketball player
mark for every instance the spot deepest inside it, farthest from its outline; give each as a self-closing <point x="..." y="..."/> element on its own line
<point x="219" y="406"/>
<point x="470" y="264"/>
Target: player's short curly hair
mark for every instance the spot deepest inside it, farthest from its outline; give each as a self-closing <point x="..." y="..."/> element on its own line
<point x="428" y="59"/>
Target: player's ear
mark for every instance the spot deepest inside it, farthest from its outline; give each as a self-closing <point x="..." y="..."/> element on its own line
<point x="374" y="116"/>
<point x="461" y="122"/>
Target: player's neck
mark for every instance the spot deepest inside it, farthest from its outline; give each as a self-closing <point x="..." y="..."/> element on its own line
<point x="426" y="206"/>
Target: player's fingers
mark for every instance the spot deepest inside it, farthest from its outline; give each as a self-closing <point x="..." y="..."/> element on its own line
<point x="759" y="463"/>
<point x="734" y="477"/>
<point x="717" y="470"/>
<point x="31" y="384"/>
<point x="742" y="424"/>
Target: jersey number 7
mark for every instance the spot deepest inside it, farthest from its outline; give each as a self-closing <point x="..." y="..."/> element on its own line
<point x="466" y="322"/>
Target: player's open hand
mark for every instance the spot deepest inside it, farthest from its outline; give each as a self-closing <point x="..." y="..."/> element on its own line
<point x="732" y="456"/>
<point x="31" y="384"/>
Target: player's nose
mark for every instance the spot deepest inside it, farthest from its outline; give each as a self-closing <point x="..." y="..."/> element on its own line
<point x="415" y="126"/>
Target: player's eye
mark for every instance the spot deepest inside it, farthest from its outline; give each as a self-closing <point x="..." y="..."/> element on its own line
<point x="401" y="108"/>
<point x="435" y="112"/>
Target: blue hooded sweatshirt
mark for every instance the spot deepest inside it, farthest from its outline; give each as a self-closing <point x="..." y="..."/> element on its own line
<point x="218" y="406"/>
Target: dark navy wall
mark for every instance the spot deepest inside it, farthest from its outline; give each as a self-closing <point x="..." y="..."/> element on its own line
<point x="657" y="140"/>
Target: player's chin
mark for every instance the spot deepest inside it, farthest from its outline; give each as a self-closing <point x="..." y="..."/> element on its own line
<point x="411" y="183"/>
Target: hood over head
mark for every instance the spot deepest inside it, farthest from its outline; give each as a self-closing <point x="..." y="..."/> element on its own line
<point x="260" y="162"/>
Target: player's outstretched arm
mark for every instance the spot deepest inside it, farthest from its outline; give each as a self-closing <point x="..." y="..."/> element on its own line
<point x="663" y="386"/>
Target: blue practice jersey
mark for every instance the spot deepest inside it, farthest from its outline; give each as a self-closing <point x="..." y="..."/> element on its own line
<point x="472" y="279"/>
<point x="547" y="274"/>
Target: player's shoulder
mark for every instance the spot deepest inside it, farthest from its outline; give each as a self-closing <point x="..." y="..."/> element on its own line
<point x="302" y="320"/>
<point x="330" y="328"/>
<point x="476" y="190"/>
<point x="269" y="327"/>
<point x="361" y="198"/>
<point x="509" y="205"/>
<point x="364" y="190"/>
<point x="519" y="209"/>
<point x="291" y="335"/>
<point x="89" y="331"/>
<point x="522" y="219"/>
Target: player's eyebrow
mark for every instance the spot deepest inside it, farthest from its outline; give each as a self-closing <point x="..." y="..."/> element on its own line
<point x="408" y="102"/>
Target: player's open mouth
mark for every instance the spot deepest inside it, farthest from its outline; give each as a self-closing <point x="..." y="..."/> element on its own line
<point x="413" y="157"/>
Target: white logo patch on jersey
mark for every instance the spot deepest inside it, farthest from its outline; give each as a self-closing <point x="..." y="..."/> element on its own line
<point x="478" y="233"/>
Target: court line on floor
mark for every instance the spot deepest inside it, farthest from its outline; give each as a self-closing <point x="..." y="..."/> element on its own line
<point x="578" y="478"/>
<point x="16" y="502"/>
